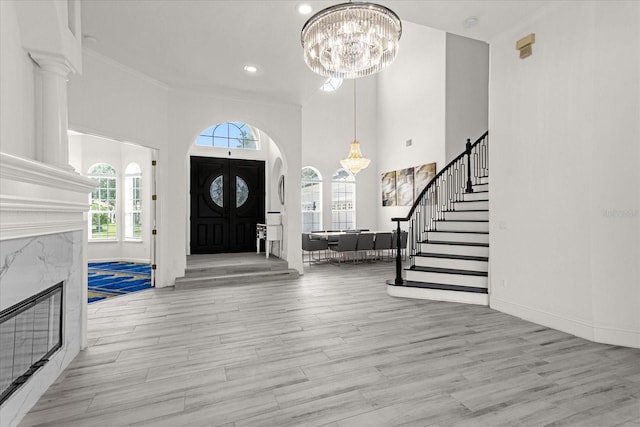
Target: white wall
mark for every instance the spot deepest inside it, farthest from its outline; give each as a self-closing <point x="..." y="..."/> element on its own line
<point x="467" y="92"/>
<point x="565" y="198"/>
<point x="87" y="150"/>
<point x="327" y="132"/>
<point x="115" y="102"/>
<point x="191" y="113"/>
<point x="411" y="105"/>
<point x="17" y="77"/>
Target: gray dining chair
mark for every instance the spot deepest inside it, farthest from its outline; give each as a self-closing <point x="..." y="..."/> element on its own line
<point x="310" y="246"/>
<point x="364" y="244"/>
<point x="346" y="243"/>
<point x="382" y="244"/>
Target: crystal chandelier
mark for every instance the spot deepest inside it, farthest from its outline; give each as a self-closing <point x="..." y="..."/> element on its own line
<point x="351" y="40"/>
<point x="355" y="161"/>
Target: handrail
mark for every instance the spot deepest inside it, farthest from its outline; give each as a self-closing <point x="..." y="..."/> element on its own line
<point x="445" y="189"/>
<point x="435" y="178"/>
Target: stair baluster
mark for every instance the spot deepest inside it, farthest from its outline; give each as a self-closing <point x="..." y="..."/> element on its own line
<point x="440" y="195"/>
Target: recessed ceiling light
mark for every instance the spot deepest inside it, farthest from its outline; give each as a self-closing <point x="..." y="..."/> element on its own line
<point x="251" y="69"/>
<point x="470" y="22"/>
<point x="304" y="9"/>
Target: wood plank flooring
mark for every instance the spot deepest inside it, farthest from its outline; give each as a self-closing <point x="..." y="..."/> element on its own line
<point x="332" y="348"/>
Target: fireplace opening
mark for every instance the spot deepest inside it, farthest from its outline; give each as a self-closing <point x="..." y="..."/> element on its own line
<point x="30" y="332"/>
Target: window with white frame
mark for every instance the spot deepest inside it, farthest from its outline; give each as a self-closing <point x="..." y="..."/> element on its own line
<point x="133" y="202"/>
<point x="102" y="213"/>
<point x="311" y="199"/>
<point x="229" y="135"/>
<point x="343" y="200"/>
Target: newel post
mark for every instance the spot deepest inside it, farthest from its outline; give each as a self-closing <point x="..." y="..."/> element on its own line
<point x="468" y="152"/>
<point x="398" y="280"/>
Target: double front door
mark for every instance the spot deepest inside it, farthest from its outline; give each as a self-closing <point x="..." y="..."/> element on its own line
<point x="227" y="201"/>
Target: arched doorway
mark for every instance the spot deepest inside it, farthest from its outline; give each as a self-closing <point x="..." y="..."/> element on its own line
<point x="227" y="197"/>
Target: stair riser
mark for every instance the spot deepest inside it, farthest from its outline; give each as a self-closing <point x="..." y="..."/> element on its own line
<point x="224" y="271"/>
<point x="462" y="226"/>
<point x="471" y="206"/>
<point x="438" y="295"/>
<point x="475" y="196"/>
<point x="458" y="237"/>
<point x="484" y="180"/>
<point x="447" y="278"/>
<point x="467" y="216"/>
<point x="458" y="264"/>
<point x="454" y="249"/>
<point x="481" y="187"/>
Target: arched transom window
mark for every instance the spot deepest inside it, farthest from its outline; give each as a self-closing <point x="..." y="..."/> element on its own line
<point x="311" y="199"/>
<point x="236" y="135"/>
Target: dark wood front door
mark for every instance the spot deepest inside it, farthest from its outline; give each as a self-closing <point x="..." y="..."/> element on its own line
<point x="227" y="201"/>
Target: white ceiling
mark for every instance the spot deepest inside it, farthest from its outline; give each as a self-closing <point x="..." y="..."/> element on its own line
<point x="203" y="45"/>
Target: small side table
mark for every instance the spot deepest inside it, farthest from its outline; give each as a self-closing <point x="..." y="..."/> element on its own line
<point x="268" y="233"/>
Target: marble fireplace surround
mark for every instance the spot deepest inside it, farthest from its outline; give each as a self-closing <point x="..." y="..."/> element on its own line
<point x="43" y="234"/>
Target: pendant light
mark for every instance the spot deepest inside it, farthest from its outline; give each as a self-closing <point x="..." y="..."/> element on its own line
<point x="355" y="161"/>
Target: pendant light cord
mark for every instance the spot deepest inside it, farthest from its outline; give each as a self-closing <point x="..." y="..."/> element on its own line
<point x="355" y="134"/>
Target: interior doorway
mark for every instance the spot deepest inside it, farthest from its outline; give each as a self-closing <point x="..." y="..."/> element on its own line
<point x="227" y="201"/>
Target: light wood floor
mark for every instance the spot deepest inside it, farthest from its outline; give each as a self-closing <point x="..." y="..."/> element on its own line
<point x="331" y="348"/>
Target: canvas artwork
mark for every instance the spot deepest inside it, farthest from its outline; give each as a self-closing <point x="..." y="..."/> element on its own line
<point x="423" y="174"/>
<point x="389" y="189"/>
<point x="404" y="187"/>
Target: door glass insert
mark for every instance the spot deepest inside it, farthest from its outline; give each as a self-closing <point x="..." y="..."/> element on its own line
<point x="242" y="191"/>
<point x="216" y="191"/>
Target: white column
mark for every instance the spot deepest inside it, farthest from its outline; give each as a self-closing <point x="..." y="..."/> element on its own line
<point x="54" y="143"/>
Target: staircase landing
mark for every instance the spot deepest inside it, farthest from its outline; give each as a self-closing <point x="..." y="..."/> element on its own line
<point x="233" y="269"/>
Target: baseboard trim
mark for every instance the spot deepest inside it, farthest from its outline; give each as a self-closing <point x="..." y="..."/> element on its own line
<point x="134" y="260"/>
<point x="578" y="327"/>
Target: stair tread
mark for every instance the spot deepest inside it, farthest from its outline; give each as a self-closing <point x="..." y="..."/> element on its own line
<point x="470" y="201"/>
<point x="441" y="286"/>
<point x="436" y="242"/>
<point x="452" y="256"/>
<point x="448" y="271"/>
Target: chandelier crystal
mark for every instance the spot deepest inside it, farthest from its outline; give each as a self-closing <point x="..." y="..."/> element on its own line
<point x="355" y="161"/>
<point x="351" y="40"/>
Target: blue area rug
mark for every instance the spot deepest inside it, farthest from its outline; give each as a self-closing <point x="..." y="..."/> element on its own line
<point x="110" y="279"/>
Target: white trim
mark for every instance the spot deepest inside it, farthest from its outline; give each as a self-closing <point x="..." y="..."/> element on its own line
<point x="34" y="229"/>
<point x="616" y="336"/>
<point x="31" y="171"/>
<point x="134" y="260"/>
<point x="438" y="295"/>
<point x="18" y="203"/>
<point x="574" y="326"/>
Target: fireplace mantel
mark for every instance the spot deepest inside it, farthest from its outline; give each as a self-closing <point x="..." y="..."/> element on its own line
<point x="37" y="198"/>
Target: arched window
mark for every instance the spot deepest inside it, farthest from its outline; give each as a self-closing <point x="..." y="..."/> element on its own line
<point x="311" y="199"/>
<point x="343" y="200"/>
<point x="229" y="135"/>
<point x="103" y="203"/>
<point x="133" y="202"/>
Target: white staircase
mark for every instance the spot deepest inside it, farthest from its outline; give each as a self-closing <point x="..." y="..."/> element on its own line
<point x="451" y="263"/>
